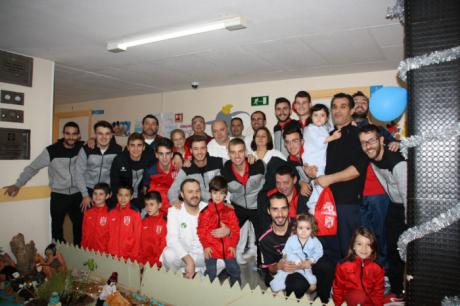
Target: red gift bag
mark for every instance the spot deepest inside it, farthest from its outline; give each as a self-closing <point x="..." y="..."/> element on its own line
<point x="326" y="213"/>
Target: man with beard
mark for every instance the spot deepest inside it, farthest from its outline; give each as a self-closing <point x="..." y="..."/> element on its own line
<point x="375" y="200"/>
<point x="345" y="171"/>
<point x="183" y="248"/>
<point x="283" y="114"/>
<point x="391" y="170"/>
<point x="60" y="158"/>
<point x="361" y="117"/>
<point x="258" y="120"/>
<point x="150" y="127"/>
<point x="271" y="244"/>
<point x="202" y="169"/>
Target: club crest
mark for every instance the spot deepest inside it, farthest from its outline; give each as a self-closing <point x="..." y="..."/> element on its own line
<point x="126" y="220"/>
<point x="103" y="221"/>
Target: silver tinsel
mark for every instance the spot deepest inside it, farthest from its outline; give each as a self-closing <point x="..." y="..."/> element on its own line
<point x="434" y="225"/>
<point x="440" y="134"/>
<point x="450" y="301"/>
<point x="396" y="11"/>
<point x="435" y="57"/>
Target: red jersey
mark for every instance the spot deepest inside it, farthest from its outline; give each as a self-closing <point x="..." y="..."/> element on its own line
<point x="372" y="185"/>
<point x="211" y="218"/>
<point x="156" y="179"/>
<point x="125" y="227"/>
<point x="153" y="239"/>
<point x="95" y="229"/>
<point x="359" y="274"/>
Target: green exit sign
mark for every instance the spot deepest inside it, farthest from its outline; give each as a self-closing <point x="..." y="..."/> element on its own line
<point x="259" y="101"/>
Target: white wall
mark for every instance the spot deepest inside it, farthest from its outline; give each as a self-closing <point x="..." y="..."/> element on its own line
<point x="29" y="217"/>
<point x="208" y="101"/>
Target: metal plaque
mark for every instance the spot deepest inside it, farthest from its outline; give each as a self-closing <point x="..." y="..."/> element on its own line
<point x="14" y="144"/>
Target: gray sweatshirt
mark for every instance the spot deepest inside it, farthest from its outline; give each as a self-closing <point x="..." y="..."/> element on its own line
<point x="61" y="163"/>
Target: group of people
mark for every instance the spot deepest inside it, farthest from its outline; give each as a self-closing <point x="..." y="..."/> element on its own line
<point x="203" y="204"/>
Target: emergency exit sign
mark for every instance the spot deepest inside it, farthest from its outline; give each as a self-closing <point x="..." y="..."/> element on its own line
<point x="259" y="101"/>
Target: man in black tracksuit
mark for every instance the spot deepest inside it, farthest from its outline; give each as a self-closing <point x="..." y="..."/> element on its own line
<point x="128" y="169"/>
<point x="60" y="158"/>
<point x="286" y="183"/>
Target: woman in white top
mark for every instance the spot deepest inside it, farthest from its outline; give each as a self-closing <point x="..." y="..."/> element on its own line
<point x="262" y="146"/>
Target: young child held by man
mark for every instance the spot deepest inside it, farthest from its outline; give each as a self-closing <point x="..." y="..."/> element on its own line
<point x="316" y="137"/>
<point x="95" y="229"/>
<point x="125" y="226"/>
<point x="153" y="234"/>
<point x="302" y="245"/>
<point x="212" y="217"/>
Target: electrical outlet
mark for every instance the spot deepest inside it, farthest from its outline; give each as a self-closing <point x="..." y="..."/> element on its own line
<point x="12" y="97"/>
<point x="11" y="115"/>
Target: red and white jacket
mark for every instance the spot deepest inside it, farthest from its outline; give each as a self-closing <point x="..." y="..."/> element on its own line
<point x="125" y="227"/>
<point x="95" y="235"/>
<point x="211" y="217"/>
<point x="153" y="239"/>
<point x="359" y="274"/>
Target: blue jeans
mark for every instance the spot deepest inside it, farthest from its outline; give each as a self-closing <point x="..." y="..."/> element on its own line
<point x="373" y="214"/>
<point x="232" y="267"/>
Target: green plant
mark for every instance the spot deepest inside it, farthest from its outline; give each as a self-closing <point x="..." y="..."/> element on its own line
<point x="60" y="282"/>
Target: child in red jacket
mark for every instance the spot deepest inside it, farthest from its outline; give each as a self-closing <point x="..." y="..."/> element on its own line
<point x="359" y="279"/>
<point x="125" y="226"/>
<point x="212" y="217"/>
<point x="95" y="229"/>
<point x="153" y="235"/>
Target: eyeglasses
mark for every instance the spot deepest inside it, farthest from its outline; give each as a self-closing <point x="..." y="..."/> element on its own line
<point x="371" y="141"/>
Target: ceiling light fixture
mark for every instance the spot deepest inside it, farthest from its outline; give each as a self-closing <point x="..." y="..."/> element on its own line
<point x="231" y="24"/>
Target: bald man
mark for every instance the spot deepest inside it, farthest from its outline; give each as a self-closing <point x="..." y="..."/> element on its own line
<point x="218" y="146"/>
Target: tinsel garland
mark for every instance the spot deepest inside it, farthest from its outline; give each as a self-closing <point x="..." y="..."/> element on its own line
<point x="440" y="134"/>
<point x="396" y="11"/>
<point x="451" y="301"/>
<point x="434" y="225"/>
<point x="435" y="57"/>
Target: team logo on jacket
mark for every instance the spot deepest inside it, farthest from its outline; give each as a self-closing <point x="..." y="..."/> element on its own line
<point x="103" y="221"/>
<point x="159" y="229"/>
<point x="123" y="169"/>
<point x="183" y="225"/>
<point x="126" y="220"/>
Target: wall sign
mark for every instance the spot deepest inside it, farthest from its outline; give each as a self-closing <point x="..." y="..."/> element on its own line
<point x="259" y="101"/>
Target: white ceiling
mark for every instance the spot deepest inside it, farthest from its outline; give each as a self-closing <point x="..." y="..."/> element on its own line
<point x="284" y="39"/>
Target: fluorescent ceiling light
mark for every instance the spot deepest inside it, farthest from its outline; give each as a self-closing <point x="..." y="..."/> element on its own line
<point x="231" y="24"/>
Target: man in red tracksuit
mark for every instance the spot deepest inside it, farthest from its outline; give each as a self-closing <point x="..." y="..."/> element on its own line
<point x="212" y="217"/>
<point x="161" y="174"/>
<point x="125" y="226"/>
<point x="95" y="228"/>
<point x="153" y="235"/>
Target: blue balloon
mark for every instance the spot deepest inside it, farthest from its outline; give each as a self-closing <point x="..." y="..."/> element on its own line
<point x="388" y="103"/>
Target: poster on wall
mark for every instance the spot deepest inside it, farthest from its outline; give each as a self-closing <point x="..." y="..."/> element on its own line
<point x="167" y="123"/>
<point x="121" y="128"/>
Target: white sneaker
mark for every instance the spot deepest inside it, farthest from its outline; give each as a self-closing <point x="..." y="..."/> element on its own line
<point x="252" y="252"/>
<point x="240" y="259"/>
